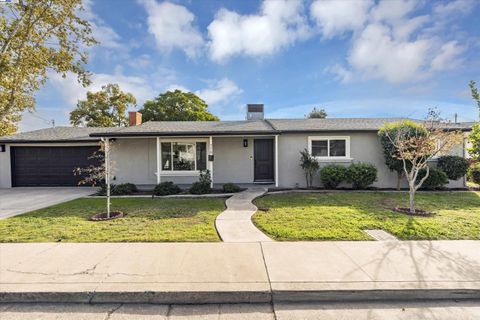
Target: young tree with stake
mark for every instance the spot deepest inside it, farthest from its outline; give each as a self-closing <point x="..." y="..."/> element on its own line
<point x="415" y="148"/>
<point x="101" y="171"/>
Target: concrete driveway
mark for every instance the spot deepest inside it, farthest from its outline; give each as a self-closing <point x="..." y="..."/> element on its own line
<point x="16" y="201"/>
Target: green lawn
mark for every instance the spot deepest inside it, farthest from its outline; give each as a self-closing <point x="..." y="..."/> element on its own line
<point x="147" y="220"/>
<point x="343" y="216"/>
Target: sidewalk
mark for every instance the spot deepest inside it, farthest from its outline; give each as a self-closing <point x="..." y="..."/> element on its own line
<point x="239" y="272"/>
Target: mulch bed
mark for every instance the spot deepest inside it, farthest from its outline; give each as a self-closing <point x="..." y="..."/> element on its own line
<point x="418" y="212"/>
<point x="103" y="216"/>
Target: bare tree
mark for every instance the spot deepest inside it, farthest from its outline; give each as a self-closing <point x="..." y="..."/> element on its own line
<point x="416" y="148"/>
<point x="101" y="171"/>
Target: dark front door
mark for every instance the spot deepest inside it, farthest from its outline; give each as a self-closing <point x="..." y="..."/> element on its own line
<point x="263" y="155"/>
<point x="49" y="166"/>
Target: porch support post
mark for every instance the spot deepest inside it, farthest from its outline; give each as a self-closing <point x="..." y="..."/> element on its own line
<point x="106" y="142"/>
<point x="276" y="161"/>
<point x="210" y="163"/>
<point x="158" y="160"/>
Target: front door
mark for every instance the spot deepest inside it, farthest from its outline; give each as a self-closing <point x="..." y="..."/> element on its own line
<point x="263" y="156"/>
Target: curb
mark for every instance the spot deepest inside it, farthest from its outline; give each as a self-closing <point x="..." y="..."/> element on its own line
<point x="219" y="297"/>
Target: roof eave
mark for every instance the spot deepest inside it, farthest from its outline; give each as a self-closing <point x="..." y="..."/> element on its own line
<point x="183" y="133"/>
<point x="23" y="141"/>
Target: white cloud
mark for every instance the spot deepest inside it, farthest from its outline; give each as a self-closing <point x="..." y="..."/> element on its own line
<point x="72" y="91"/>
<point x="278" y="24"/>
<point x="393" y="42"/>
<point x="104" y="34"/>
<point x="446" y="9"/>
<point x="175" y="86"/>
<point x="141" y="61"/>
<point x="377" y="54"/>
<point x="173" y="28"/>
<point x="336" y="17"/>
<point x="448" y="58"/>
<point x="219" y="91"/>
<point x="341" y="74"/>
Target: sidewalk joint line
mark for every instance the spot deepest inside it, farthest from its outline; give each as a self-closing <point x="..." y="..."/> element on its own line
<point x="269" y="281"/>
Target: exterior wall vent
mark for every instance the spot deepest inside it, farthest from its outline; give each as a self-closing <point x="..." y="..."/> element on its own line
<point x="255" y="112"/>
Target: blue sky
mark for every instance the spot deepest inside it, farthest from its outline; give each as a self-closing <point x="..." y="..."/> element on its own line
<point x="353" y="58"/>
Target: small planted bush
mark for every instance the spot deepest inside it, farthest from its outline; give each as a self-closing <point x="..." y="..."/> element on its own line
<point x="454" y="166"/>
<point x="123" y="189"/>
<point x="436" y="179"/>
<point x="474" y="173"/>
<point x="202" y="186"/>
<point x="230" y="188"/>
<point x="332" y="175"/>
<point x="166" y="188"/>
<point x="361" y="175"/>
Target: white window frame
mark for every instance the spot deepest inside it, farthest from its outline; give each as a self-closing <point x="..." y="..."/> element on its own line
<point x="328" y="138"/>
<point x="173" y="172"/>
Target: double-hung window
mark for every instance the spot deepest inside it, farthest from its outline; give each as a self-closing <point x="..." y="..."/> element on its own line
<point x="184" y="156"/>
<point x="329" y="148"/>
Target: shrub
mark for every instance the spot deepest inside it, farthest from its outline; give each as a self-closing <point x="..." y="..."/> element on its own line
<point x="436" y="179"/>
<point x="202" y="186"/>
<point x="454" y="166"/>
<point x="166" y="188"/>
<point x="230" y="188"/>
<point x="474" y="173"/>
<point x="309" y="165"/>
<point x="123" y="189"/>
<point x="103" y="189"/>
<point x="361" y="175"/>
<point x="332" y="175"/>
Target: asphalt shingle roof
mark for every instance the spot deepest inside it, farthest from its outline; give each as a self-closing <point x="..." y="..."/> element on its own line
<point x="331" y="124"/>
<point x="195" y="127"/>
<point x="57" y="134"/>
<point x="185" y="128"/>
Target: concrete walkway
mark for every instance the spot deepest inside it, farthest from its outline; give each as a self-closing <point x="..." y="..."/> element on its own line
<point x="15" y="201"/>
<point x="235" y="223"/>
<point x="262" y="272"/>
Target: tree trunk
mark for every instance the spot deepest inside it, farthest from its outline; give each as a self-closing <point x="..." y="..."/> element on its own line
<point x="412" y="199"/>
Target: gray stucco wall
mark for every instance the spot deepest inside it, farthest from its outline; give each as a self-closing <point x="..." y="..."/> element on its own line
<point x="364" y="147"/>
<point x="5" y="171"/>
<point x="233" y="162"/>
<point x="135" y="162"/>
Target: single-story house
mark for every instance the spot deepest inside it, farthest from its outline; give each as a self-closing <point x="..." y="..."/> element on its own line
<point x="255" y="150"/>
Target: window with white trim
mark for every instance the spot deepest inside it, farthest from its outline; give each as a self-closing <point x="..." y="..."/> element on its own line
<point x="184" y="156"/>
<point x="329" y="147"/>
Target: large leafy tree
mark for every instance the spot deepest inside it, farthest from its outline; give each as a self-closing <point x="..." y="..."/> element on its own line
<point x="176" y="106"/>
<point x="104" y="108"/>
<point x="317" y="114"/>
<point x="37" y="37"/>
<point x="474" y="136"/>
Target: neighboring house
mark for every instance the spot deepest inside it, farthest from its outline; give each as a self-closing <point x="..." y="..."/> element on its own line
<point x="256" y="150"/>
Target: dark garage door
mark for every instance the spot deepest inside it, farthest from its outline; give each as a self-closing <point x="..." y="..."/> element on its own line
<point x="48" y="166"/>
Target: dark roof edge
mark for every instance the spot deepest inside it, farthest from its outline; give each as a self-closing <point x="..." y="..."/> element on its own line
<point x="183" y="133"/>
<point x="47" y="141"/>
